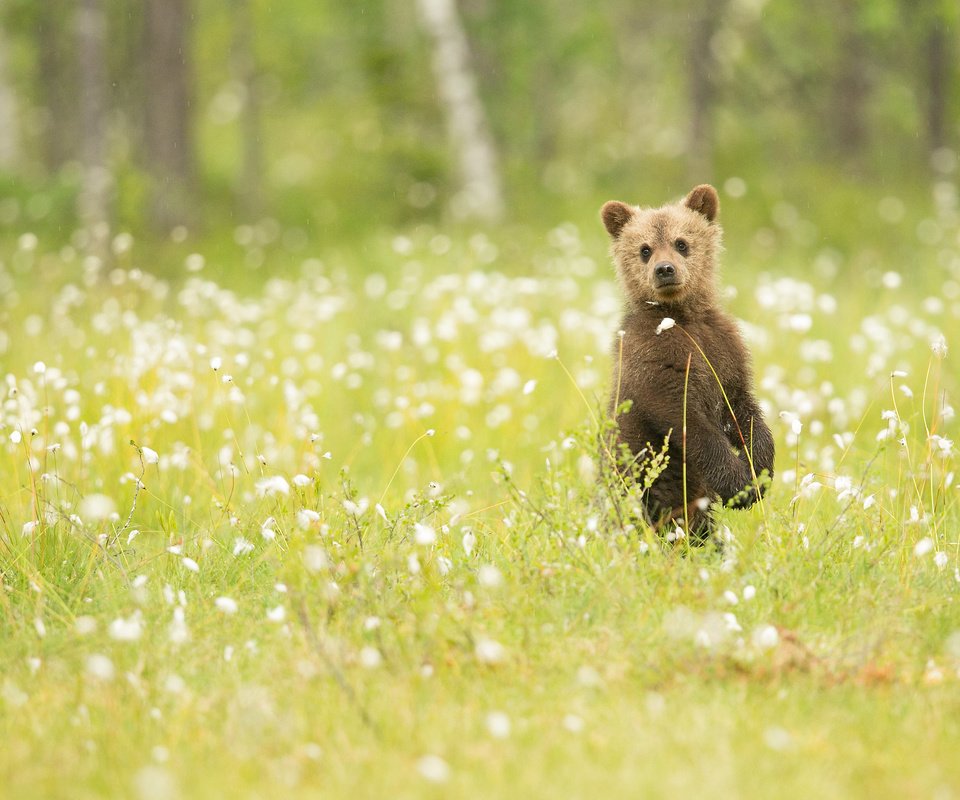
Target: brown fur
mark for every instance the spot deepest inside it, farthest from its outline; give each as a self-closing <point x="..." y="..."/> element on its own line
<point x="684" y="239"/>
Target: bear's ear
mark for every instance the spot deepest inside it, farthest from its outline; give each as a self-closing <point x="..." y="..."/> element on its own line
<point x="704" y="200"/>
<point x="615" y="215"/>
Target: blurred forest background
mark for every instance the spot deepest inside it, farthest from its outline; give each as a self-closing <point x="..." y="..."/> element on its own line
<point x="324" y="121"/>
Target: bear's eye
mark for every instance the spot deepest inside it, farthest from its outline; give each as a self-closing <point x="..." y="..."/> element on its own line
<point x="646" y="252"/>
<point x="681" y="246"/>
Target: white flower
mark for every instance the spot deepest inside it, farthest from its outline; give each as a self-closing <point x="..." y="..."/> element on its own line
<point x="941" y="559"/>
<point x="178" y="631"/>
<point x="300" y="480"/>
<point x="665" y="324"/>
<point x="588" y="676"/>
<point x="226" y="604"/>
<point x="844" y="486"/>
<point x="731" y="623"/>
<point x="215" y="363"/>
<point x="100" y="667"/>
<point x="529" y="386"/>
<point x="749" y="592"/>
<point x="315" y="558"/>
<point x="434" y="769"/>
<point x="356" y="508"/>
<point x="765" y="637"/>
<point x="489" y="651"/>
<point x="793" y="420"/>
<point x="84" y="625"/>
<point x="307" y="517"/>
<point x="939" y="346"/>
<point x="277" y="614"/>
<point x="276" y="484"/>
<point x="943" y="445"/>
<point x="489" y="576"/>
<point x="424" y="534"/>
<point x="924" y="546"/>
<point x="28" y="528"/>
<point x="731" y="597"/>
<point x="242" y="546"/>
<point x="777" y="738"/>
<point x="190" y="564"/>
<point x="150" y="455"/>
<point x="266" y="529"/>
<point x="96" y="507"/>
<point x="573" y="723"/>
<point x="370" y="657"/>
<point x="469" y="542"/>
<point x="498" y="723"/>
<point x="16" y="437"/>
<point x="126" y="630"/>
<point x="869" y="501"/>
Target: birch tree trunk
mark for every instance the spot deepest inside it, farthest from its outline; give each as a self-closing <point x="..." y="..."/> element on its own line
<point x="93" y="202"/>
<point x="9" y="122"/>
<point x="480" y="194"/>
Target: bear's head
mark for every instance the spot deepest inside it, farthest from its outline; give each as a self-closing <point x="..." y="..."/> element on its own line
<point x="667" y="255"/>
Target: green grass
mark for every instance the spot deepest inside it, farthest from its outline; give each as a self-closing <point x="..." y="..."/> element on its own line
<point x="494" y="582"/>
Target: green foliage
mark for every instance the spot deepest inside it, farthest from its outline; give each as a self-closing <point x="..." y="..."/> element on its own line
<point x="353" y="135"/>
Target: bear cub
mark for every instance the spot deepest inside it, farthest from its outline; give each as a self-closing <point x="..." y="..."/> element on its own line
<point x="666" y="261"/>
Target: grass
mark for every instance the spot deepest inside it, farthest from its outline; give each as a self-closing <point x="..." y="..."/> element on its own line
<point x="441" y="604"/>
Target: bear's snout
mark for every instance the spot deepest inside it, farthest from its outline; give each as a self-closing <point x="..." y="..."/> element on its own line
<point x="665" y="274"/>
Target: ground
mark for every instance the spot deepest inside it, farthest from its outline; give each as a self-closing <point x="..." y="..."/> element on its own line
<point x="338" y="531"/>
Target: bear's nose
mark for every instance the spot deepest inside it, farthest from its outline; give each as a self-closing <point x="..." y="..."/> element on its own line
<point x="664" y="270"/>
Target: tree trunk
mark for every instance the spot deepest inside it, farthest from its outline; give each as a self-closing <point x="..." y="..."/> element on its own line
<point x="93" y="202"/>
<point x="938" y="76"/>
<point x="245" y="69"/>
<point x="56" y="83"/>
<point x="480" y="194"/>
<point x="701" y="71"/>
<point x="167" y="136"/>
<point x="9" y="121"/>
<point x="851" y="86"/>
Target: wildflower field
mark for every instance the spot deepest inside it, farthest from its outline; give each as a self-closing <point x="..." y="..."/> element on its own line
<point x="281" y="521"/>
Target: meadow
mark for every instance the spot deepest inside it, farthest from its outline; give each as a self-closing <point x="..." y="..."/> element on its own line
<point x="285" y="520"/>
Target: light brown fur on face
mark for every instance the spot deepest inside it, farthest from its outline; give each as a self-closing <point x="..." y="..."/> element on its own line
<point x="683" y="236"/>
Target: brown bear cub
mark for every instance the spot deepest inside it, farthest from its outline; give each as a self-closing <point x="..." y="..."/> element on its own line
<point x="666" y="260"/>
